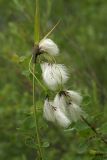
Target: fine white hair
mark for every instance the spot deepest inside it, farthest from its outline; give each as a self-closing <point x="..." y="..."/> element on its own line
<point x="54" y="114"/>
<point x="61" y="119"/>
<point x="60" y="101"/>
<point x="48" y="46"/>
<point x="75" y="112"/>
<point x="68" y="102"/>
<point x="54" y="75"/>
<point x="48" y="111"/>
<point x="75" y="96"/>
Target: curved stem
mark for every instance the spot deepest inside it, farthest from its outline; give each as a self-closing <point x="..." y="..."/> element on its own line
<point x="35" y="76"/>
<point x="35" y="116"/>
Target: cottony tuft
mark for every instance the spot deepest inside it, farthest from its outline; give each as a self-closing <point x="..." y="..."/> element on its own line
<point x="48" y="46"/>
<point x="54" y="75"/>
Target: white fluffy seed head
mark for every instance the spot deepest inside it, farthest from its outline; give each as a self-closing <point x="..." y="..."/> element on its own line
<point x="61" y="113"/>
<point x="54" y="114"/>
<point x="54" y="75"/>
<point x="48" y="111"/>
<point x="75" y="96"/>
<point x="75" y="112"/>
<point x="61" y="119"/>
<point x="60" y="101"/>
<point x="47" y="45"/>
<point x="68" y="102"/>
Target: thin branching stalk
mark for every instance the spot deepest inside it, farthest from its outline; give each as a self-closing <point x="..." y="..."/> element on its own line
<point x="94" y="130"/>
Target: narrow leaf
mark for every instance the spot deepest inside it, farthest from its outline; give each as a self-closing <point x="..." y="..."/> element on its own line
<point x="52" y="29"/>
<point x="36" y="26"/>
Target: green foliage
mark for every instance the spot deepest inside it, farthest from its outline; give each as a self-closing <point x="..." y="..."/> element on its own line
<point x="81" y="36"/>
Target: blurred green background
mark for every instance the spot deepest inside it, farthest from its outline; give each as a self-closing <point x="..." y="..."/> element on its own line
<point x="82" y="39"/>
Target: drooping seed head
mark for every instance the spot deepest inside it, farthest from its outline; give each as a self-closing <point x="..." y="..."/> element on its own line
<point x="54" y="75"/>
<point x="48" y="46"/>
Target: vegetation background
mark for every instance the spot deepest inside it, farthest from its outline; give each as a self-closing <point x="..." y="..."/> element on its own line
<point x="82" y="39"/>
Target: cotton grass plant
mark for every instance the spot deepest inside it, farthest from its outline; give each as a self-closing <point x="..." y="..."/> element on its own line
<point x="65" y="108"/>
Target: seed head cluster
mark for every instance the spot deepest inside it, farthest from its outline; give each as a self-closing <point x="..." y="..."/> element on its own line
<point x="65" y="107"/>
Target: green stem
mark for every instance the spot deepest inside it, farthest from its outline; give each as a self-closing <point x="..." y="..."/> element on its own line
<point x="36" y="120"/>
<point x="36" y="40"/>
<point x="42" y="86"/>
<point x="36" y="24"/>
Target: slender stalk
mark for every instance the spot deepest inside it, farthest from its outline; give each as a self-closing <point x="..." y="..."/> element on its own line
<point x="36" y="24"/>
<point x="36" y="120"/>
<point x="36" y="40"/>
<point x="94" y="130"/>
